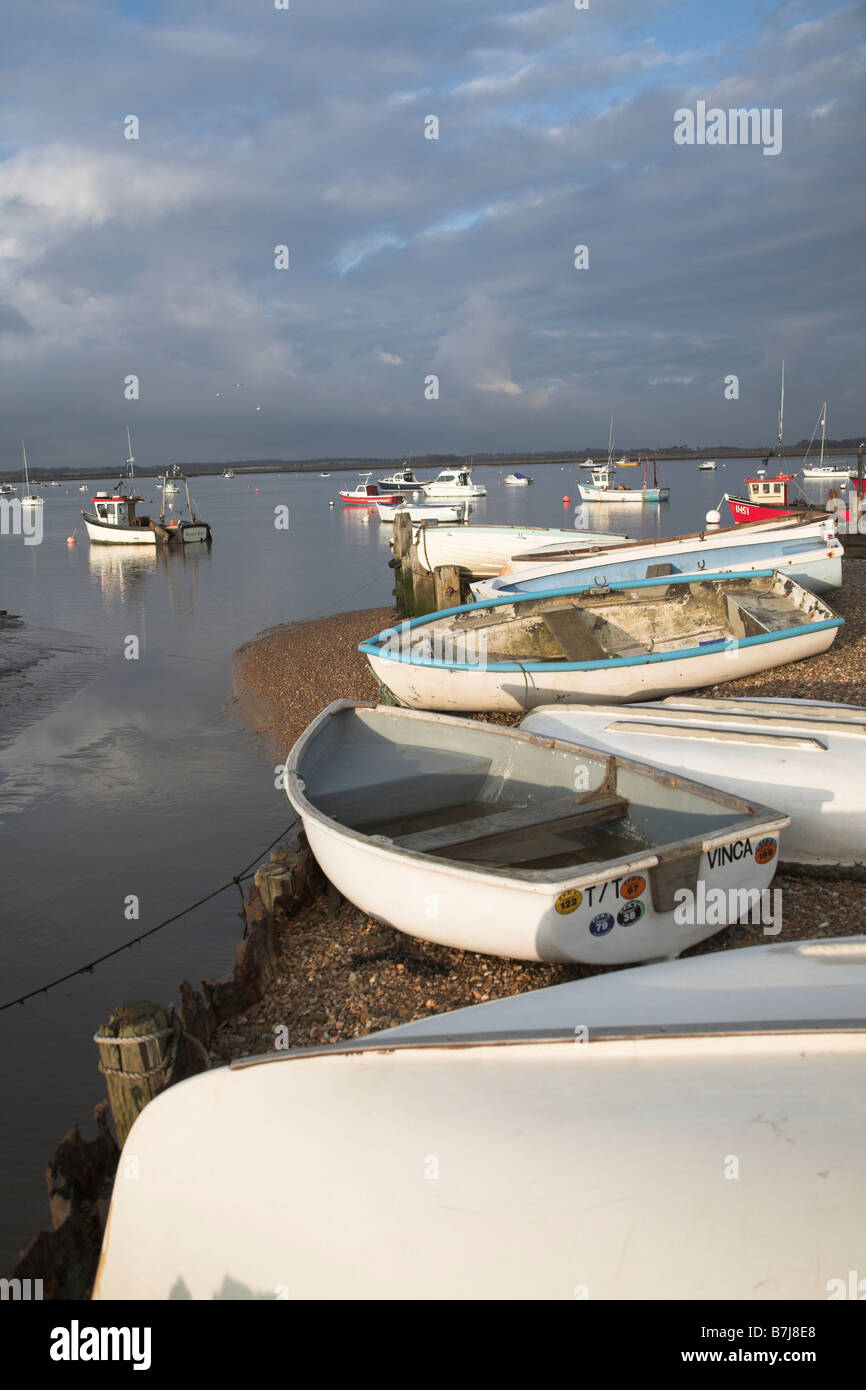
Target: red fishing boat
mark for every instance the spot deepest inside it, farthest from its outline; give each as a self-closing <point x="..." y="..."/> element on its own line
<point x="368" y="494"/>
<point x="768" y="497"/>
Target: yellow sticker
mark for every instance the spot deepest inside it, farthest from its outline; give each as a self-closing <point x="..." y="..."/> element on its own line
<point x="569" y="901"/>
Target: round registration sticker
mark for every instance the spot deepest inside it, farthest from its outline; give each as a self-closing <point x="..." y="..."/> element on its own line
<point x="765" y="851"/>
<point x="633" y="887"/>
<point x="601" y="924"/>
<point x="631" y="913"/>
<point x="569" y="901"/>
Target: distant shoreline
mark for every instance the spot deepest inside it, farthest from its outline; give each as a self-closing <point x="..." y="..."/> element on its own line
<point x="257" y="467"/>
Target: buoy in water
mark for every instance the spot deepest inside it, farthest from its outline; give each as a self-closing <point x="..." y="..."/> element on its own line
<point x="713" y="517"/>
<point x="331" y="503"/>
<point x="566" y="500"/>
<point x="70" y="540"/>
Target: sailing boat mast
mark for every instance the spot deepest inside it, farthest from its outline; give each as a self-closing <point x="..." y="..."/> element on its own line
<point x="781" y="417"/>
<point x="130" y="459"/>
<point x="26" y="474"/>
<point x="823" y="431"/>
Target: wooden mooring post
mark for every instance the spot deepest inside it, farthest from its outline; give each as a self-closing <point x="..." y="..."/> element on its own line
<point x="447" y="584"/>
<point x="137" y="1052"/>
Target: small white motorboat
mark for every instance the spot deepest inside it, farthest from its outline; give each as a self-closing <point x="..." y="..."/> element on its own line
<point x="454" y="482"/>
<point x="422" y="511"/>
<point x="806" y="756"/>
<point x="708" y="466"/>
<point x="7" y="490"/>
<point x="488" y="839"/>
<point x="608" y="644"/>
<point x="228" y="473"/>
<point x="588" y="463"/>
<point x="517" y="480"/>
<point x="690" y="1130"/>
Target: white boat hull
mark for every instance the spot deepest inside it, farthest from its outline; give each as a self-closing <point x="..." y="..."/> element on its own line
<point x="589" y="493"/>
<point x="467" y="691"/>
<point x="491" y="1160"/>
<point x="483" y="550"/>
<point x="802" y="755"/>
<point x="423" y="513"/>
<point x="119" y="535"/>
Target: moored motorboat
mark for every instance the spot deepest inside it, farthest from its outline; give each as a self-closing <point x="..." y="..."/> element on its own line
<point x="605" y="488"/>
<point x="483" y="550"/>
<point x="811" y="554"/>
<point x="403" y="480"/>
<point x="517" y="480"/>
<point x="368" y="494"/>
<point x="526" y="847"/>
<point x="708" y="466"/>
<point x="115" y="519"/>
<point x="594" y="1116"/>
<point x="454" y="482"/>
<point x="612" y="643"/>
<point x="807" y="757"/>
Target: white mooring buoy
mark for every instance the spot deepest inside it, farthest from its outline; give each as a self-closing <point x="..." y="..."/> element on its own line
<point x="713" y="517"/>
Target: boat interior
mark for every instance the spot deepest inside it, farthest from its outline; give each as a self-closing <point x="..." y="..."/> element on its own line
<point x="465" y="792"/>
<point x="605" y="625"/>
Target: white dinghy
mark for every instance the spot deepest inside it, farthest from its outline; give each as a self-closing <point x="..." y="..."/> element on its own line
<point x="489" y="839"/>
<point x="422" y="511"/>
<point x="609" y="644"/>
<point x="571" y="1142"/>
<point x="483" y="550"/>
<point x="806" y="756"/>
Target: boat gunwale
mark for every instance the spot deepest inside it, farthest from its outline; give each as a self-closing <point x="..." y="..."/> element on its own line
<point x="535" y="880"/>
<point x="370" y="646"/>
<point x="379" y="1042"/>
<point x="799" y="520"/>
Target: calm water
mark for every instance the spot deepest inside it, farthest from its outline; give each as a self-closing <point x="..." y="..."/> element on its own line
<point x="124" y="777"/>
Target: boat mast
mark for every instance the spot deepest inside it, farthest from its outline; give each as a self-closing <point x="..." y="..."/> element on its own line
<point x="781" y="417"/>
<point x="130" y="459"/>
<point x="26" y="474"/>
<point x="823" y="431"/>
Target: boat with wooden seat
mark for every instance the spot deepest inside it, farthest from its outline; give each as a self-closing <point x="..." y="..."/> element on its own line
<point x="614" y="642"/>
<point x="806" y="756"/>
<point x="490" y="839"/>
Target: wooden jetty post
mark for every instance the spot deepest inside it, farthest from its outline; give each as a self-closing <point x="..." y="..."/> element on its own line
<point x="137" y="1051"/>
<point x="446" y="581"/>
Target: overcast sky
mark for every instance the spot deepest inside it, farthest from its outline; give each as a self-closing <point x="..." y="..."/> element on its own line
<point x="409" y="256"/>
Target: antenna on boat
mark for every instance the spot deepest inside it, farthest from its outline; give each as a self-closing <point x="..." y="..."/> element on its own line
<point x="823" y="431"/>
<point x="130" y="459"/>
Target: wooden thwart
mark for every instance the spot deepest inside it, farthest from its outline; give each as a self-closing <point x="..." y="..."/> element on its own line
<point x="518" y="822"/>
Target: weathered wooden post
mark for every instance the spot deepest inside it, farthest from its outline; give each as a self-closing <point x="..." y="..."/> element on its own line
<point x="137" y="1050"/>
<point x="402" y="570"/>
<point x="446" y="579"/>
<point x="402" y="535"/>
<point x="423" y="586"/>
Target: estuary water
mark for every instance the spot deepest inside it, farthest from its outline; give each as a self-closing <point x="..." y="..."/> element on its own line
<point x="125" y="776"/>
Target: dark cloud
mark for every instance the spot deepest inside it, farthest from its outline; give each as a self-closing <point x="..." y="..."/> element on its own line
<point x="410" y="256"/>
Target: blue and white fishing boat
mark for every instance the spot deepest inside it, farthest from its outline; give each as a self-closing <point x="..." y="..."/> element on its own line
<point x="810" y="553"/>
<point x="609" y="643"/>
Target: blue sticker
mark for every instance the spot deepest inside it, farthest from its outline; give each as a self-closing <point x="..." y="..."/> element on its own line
<point x="631" y="913"/>
<point x="602" y="924"/>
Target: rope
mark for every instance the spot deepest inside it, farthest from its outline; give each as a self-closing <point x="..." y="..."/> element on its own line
<point x="136" y="940"/>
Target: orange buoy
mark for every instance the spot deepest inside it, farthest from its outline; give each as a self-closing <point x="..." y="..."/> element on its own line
<point x="70" y="540"/>
<point x="566" y="499"/>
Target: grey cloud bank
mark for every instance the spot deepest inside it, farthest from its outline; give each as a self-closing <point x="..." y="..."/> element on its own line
<point x="411" y="256"/>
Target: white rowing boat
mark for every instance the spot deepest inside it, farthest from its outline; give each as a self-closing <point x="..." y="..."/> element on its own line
<point x="609" y="644"/>
<point x="811" y="553"/>
<point x="428" y="511"/>
<point x="677" y="1131"/>
<point x="489" y="839"/>
<point x="805" y="756"/>
<point x="483" y="550"/>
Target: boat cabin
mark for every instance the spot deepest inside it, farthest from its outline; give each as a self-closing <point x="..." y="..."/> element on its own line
<point x="455" y="478"/>
<point x="770" y="491"/>
<point x="367" y="490"/>
<point x="117" y="510"/>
